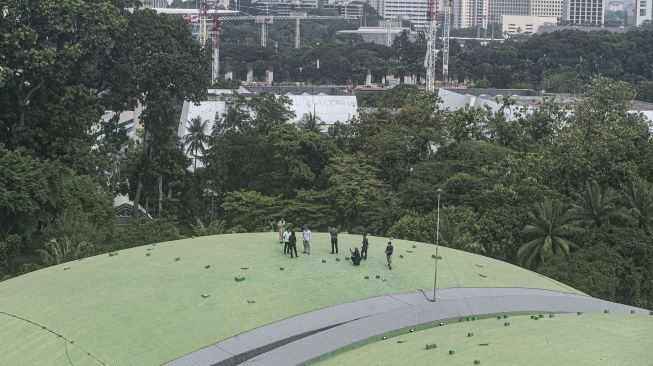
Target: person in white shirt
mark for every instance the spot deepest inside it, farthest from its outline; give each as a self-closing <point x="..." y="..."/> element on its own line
<point x="307" y="240"/>
<point x="286" y="241"/>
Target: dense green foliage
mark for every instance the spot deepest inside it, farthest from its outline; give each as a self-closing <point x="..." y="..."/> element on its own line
<point x="562" y="61"/>
<point x="540" y="191"/>
<point x="63" y="63"/>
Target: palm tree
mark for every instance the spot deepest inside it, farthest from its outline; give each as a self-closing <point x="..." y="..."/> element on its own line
<point x="215" y="227"/>
<point x="196" y="138"/>
<point x="595" y="207"/>
<point x="638" y="199"/>
<point x="57" y="252"/>
<point x="548" y="233"/>
<point x="310" y="122"/>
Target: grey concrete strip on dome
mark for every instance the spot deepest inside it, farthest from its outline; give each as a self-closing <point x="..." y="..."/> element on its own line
<point x="239" y="348"/>
<point x="475" y="302"/>
<point x="307" y="336"/>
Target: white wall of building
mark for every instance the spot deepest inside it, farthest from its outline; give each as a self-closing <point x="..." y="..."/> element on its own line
<point x="497" y="8"/>
<point x="586" y="12"/>
<point x="470" y="13"/>
<point x="415" y="10"/>
<point x="546" y="8"/>
<point x="524" y="24"/>
<point x="328" y="108"/>
<point x="377" y="5"/>
<point x="643" y="9"/>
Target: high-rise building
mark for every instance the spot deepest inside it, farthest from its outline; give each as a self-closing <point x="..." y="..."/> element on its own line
<point x="469" y="13"/>
<point x="155" y="3"/>
<point x="377" y="5"/>
<point x="413" y="10"/>
<point x="586" y="12"/>
<point x="497" y="8"/>
<point x="546" y="8"/>
<point x="345" y="8"/>
<point x="643" y="11"/>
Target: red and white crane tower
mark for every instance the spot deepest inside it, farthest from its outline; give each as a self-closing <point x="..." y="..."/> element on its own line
<point x="446" y="24"/>
<point x="214" y="33"/>
<point x="431" y="52"/>
<point x="203" y="9"/>
<point x="215" y="44"/>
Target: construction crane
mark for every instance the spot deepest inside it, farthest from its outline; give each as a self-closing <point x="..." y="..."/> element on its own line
<point x="431" y="35"/>
<point x="203" y="32"/>
<point x="264" y="20"/>
<point x="202" y="9"/>
<point x="446" y="24"/>
<point x="215" y="45"/>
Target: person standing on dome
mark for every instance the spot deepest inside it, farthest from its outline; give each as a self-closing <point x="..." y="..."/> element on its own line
<point x="282" y="227"/>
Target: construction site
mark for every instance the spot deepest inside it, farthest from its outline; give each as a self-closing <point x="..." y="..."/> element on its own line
<point x="207" y="21"/>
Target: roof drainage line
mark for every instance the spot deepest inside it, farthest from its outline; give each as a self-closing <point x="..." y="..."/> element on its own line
<point x="568" y="288"/>
<point x="223" y="350"/>
<point x="401" y="301"/>
<point x="237" y="358"/>
<point x="243" y="357"/>
<point x="453" y="273"/>
<point x="57" y="334"/>
<point x="485" y="286"/>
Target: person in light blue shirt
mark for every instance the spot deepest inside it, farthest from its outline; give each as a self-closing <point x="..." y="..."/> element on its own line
<point x="306" y="235"/>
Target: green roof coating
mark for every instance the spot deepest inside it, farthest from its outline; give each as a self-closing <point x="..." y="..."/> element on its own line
<point x="566" y="339"/>
<point x="135" y="309"/>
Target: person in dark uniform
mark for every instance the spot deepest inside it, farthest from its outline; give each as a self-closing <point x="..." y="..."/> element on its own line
<point x="334" y="239"/>
<point x="366" y="243"/>
<point x="355" y="257"/>
<point x="292" y="244"/>
<point x="388" y="253"/>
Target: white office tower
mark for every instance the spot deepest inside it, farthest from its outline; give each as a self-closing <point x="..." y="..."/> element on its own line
<point x="470" y="13"/>
<point x="377" y="5"/>
<point x="547" y="8"/>
<point x="585" y="12"/>
<point x="497" y="8"/>
<point x="412" y="10"/>
<point x="643" y="11"/>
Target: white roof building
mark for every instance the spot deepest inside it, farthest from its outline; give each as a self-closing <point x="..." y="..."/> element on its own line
<point x="528" y="100"/>
<point x="329" y="108"/>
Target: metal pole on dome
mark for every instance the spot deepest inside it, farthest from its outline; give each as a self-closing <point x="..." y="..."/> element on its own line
<point x="437" y="244"/>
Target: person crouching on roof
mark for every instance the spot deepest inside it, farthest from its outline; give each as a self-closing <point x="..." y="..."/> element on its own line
<point x="355" y="257"/>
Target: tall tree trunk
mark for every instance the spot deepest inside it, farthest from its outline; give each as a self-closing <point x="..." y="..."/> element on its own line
<point x="137" y="197"/>
<point x="195" y="164"/>
<point x="160" y="194"/>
